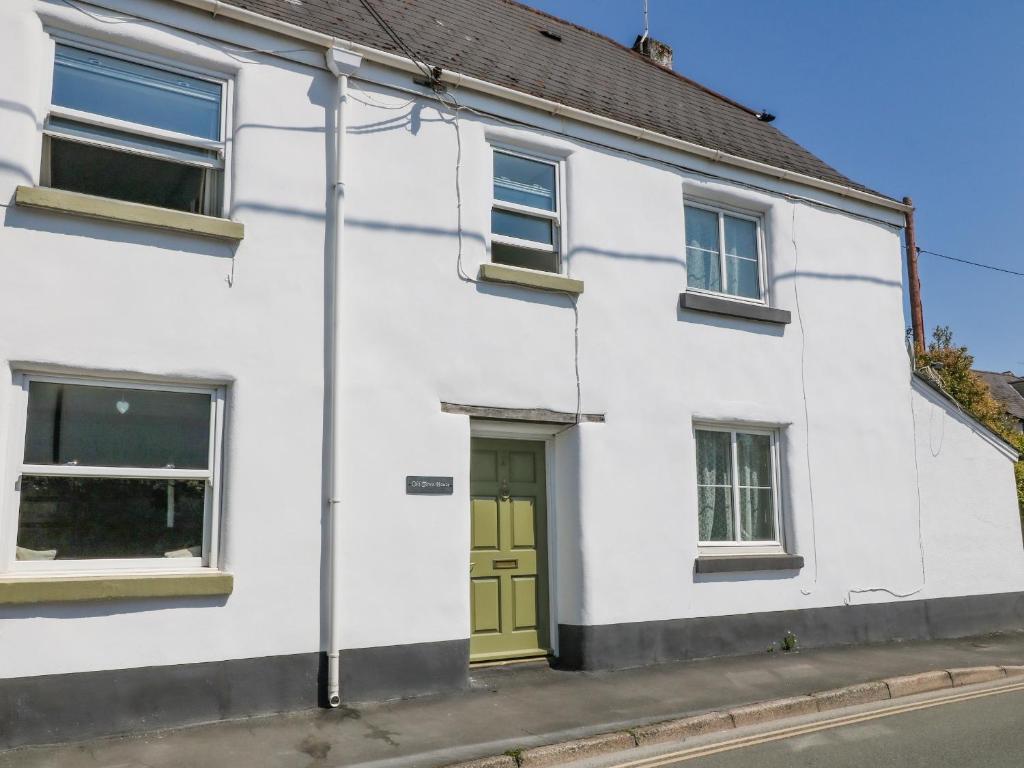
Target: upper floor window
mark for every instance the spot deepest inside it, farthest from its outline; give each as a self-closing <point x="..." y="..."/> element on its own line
<point x="131" y="131"/>
<point x="116" y="475"/>
<point x="736" y="486"/>
<point x="723" y="252"/>
<point x="525" y="214"/>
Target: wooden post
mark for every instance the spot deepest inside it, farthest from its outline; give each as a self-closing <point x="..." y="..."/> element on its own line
<point x="914" y="279"/>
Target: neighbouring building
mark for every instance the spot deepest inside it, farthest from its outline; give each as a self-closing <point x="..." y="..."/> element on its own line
<point x="326" y="374"/>
<point x="1008" y="388"/>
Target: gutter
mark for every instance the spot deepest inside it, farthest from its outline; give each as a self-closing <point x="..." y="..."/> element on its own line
<point x="458" y="80"/>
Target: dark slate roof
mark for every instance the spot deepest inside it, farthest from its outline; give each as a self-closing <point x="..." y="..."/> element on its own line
<point x="1003" y="389"/>
<point x="500" y="41"/>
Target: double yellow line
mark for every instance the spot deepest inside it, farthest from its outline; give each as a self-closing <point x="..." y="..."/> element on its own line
<point x="799" y="730"/>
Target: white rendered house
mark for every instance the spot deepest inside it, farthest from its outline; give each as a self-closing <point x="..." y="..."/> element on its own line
<point x="326" y="374"/>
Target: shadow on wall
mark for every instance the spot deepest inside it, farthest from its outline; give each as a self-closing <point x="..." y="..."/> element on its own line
<point x="746" y="577"/>
<point x="756" y="327"/>
<point x="95" y="609"/>
<point x="528" y="295"/>
<point x="838" y="277"/>
<point x="20" y="171"/>
<point x="584" y="250"/>
<point x="80" y="226"/>
<point x="412" y="121"/>
<point x="23" y="109"/>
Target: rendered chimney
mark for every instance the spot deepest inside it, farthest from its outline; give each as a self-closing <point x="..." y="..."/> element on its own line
<point x="655" y="50"/>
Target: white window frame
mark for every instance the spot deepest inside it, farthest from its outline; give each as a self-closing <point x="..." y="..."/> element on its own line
<point x="220" y="149"/>
<point x="762" y="267"/>
<point x="211" y="476"/>
<point x="736" y="546"/>
<point x="556" y="216"/>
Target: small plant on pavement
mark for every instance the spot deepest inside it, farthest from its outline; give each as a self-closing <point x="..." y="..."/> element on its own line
<point x="789" y="642"/>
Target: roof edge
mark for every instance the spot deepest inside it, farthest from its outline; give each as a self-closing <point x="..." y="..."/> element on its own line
<point x="268" y="23"/>
<point x="994" y="439"/>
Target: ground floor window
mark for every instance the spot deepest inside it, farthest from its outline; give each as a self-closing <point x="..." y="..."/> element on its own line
<point x="737" y="488"/>
<point x="117" y="473"/>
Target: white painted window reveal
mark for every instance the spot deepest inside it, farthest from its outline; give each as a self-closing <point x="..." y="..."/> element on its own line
<point x="724" y="252"/>
<point x="128" y="130"/>
<point x="526" y="217"/>
<point x="117" y="475"/>
<point x="737" y="486"/>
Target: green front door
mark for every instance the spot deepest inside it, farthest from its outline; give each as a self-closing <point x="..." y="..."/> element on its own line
<point x="507" y="579"/>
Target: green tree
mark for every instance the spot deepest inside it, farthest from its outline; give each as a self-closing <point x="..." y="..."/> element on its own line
<point x="953" y="364"/>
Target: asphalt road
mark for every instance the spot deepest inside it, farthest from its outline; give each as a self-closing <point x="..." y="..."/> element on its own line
<point x="984" y="733"/>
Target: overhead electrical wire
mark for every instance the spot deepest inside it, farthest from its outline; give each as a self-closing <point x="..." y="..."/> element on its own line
<point x="397" y="40"/>
<point x="971" y="263"/>
<point x="447" y="99"/>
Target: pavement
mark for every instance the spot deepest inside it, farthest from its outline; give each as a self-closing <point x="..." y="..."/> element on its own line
<point x="516" y="707"/>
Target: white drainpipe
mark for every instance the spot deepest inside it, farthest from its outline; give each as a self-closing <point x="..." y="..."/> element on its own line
<point x="341" y="63"/>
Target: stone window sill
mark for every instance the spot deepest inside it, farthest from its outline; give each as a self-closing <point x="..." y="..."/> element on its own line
<point x="530" y="278"/>
<point x="60" y="588"/>
<point x="747" y="563"/>
<point x="75" y="203"/>
<point x="719" y="305"/>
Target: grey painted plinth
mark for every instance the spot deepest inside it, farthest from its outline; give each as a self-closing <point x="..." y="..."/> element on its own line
<point x="618" y="646"/>
<point x="52" y="709"/>
<point x="399" y="671"/>
<point x="71" y="707"/>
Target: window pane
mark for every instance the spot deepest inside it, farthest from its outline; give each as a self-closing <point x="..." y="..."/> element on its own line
<point x="96" y="134"/>
<point x="546" y="261"/>
<point x="703" y="264"/>
<point x="522" y="227"/>
<point x="701" y="228"/>
<point x="740" y="237"/>
<point x="121" y="89"/>
<point x="85" y="518"/>
<point x="714" y="458"/>
<point x="703" y="270"/>
<point x="754" y="456"/>
<point x="522" y="181"/>
<point x="742" y="278"/>
<point x="114" y="427"/>
<point x="741" y="258"/>
<point x="106" y="172"/>
<point x="757" y="519"/>
<point x="714" y="514"/>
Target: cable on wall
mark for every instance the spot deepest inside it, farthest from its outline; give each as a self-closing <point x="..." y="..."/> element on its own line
<point x="803" y="386"/>
<point x="920" y="524"/>
<point x="446" y="99"/>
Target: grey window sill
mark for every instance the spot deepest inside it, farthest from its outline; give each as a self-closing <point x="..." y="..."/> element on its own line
<point x="701" y="302"/>
<point x="747" y="563"/>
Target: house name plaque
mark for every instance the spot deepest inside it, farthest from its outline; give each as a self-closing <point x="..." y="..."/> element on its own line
<point x="429" y="486"/>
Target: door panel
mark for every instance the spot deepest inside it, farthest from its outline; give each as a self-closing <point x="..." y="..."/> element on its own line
<point x="508" y="584"/>
<point x="484" y="524"/>
<point x="524" y="516"/>
<point x="524" y="598"/>
<point x="486" y="605"/>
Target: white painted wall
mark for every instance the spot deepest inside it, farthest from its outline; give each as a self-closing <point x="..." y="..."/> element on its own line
<point x="90" y="295"/>
<point x="975" y="536"/>
<point x="99" y="296"/>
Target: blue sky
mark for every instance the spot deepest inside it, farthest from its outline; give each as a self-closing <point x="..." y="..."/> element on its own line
<point x="918" y="97"/>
